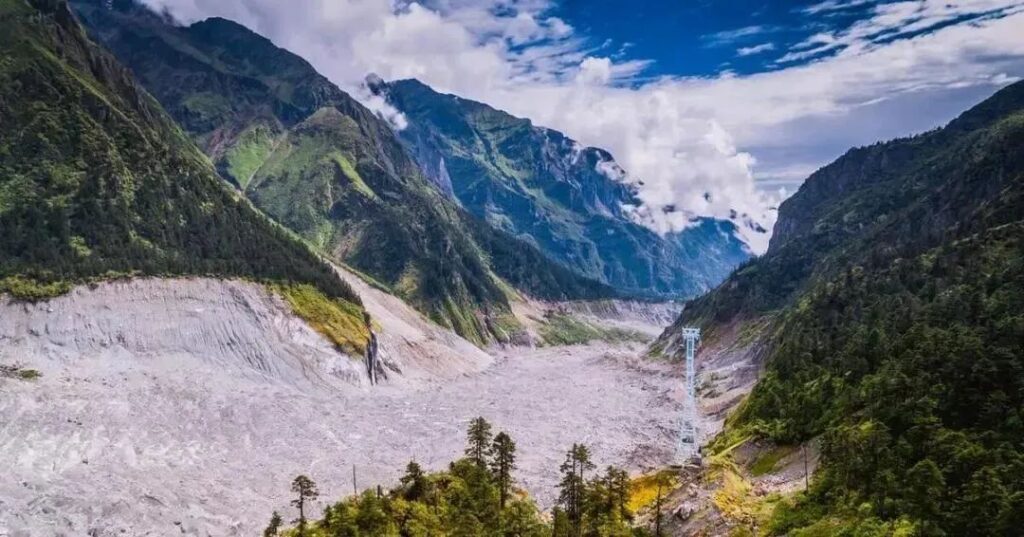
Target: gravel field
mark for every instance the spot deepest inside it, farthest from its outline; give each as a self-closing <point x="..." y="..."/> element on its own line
<point x="113" y="441"/>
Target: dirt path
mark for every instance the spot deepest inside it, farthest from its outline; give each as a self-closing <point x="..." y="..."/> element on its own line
<point x="158" y="447"/>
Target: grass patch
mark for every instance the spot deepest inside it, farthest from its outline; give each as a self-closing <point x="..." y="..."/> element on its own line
<point x="341" y="322"/>
<point x="736" y="499"/>
<point x="767" y="461"/>
<point x="506" y="327"/>
<point x="249" y="153"/>
<point x="463" y="321"/>
<point x="350" y="172"/>
<point x="564" y="329"/>
<point x="16" y="371"/>
<point x="733" y="434"/>
<point x="643" y="490"/>
<point x="29" y="374"/>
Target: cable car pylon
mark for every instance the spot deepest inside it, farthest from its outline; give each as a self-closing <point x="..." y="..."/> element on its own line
<point x="689" y="447"/>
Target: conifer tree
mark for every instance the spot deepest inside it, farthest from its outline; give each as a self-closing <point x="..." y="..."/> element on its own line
<point x="414" y="482"/>
<point x="504" y="462"/>
<point x="572" y="488"/>
<point x="274" y="526"/>
<point x="306" y="490"/>
<point x="478" y="441"/>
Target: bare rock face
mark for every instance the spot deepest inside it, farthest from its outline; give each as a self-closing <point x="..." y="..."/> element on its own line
<point x="183" y="323"/>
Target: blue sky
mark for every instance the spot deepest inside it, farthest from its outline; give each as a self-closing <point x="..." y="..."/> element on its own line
<point x="715" y="108"/>
<point x="693" y="38"/>
<point x="705" y="38"/>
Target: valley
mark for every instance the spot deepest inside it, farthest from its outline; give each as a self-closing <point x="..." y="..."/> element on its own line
<point x="228" y="278"/>
<point x="159" y="409"/>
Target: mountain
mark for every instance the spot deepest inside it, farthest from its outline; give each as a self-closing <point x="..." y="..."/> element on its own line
<point x="97" y="182"/>
<point x="568" y="200"/>
<point x="328" y="168"/>
<point x="888" y="310"/>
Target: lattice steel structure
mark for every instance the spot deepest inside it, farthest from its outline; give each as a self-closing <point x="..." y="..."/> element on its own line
<point x="688" y="441"/>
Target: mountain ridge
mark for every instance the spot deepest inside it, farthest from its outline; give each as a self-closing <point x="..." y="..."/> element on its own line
<point x="886" y="317"/>
<point x="327" y="167"/>
<point x="118" y="188"/>
<point x="567" y="199"/>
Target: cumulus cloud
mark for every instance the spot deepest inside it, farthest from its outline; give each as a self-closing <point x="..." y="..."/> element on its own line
<point x="689" y="144"/>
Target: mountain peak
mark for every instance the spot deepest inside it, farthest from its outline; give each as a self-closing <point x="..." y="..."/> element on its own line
<point x="575" y="202"/>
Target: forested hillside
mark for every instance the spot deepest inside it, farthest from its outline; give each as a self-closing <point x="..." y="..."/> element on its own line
<point x="894" y="286"/>
<point x="326" y="167"/>
<point x="96" y="181"/>
<point x="570" y="201"/>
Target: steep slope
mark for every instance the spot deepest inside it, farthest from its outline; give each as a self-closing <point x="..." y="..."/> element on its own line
<point x="97" y="182"/>
<point x="328" y="168"/>
<point x="888" y="308"/>
<point x="568" y="200"/>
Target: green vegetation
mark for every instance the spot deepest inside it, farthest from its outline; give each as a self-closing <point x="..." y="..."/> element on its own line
<point x="17" y="371"/>
<point x="767" y="461"/>
<point x="916" y="387"/>
<point x="29" y="374"/>
<point x="565" y="329"/>
<point x="247" y="155"/>
<point x="343" y="323"/>
<point x="650" y="489"/>
<point x="327" y="168"/>
<point x="537" y="184"/>
<point x="896" y="334"/>
<point x="735" y="497"/>
<point x="32" y="290"/>
<point x="474" y="496"/>
<point x="97" y="182"/>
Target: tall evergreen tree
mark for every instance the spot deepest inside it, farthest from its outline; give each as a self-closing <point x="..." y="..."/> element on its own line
<point x="504" y="462"/>
<point x="616" y="483"/>
<point x="414" y="482"/>
<point x="572" y="488"/>
<point x="478" y="440"/>
<point x="274" y="526"/>
<point x="306" y="491"/>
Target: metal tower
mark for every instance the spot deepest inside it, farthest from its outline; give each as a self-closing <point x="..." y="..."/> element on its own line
<point x="688" y="442"/>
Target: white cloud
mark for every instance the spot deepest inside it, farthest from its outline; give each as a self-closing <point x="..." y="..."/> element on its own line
<point x="888" y="21"/>
<point x="730" y="36"/>
<point x="829" y="6"/>
<point x="755" y="49"/>
<point x="595" y="71"/>
<point x="681" y="137"/>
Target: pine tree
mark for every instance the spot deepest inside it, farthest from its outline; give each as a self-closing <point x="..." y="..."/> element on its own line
<point x="659" y="502"/>
<point x="504" y="462"/>
<point x="572" y="488"/>
<point x="306" y="490"/>
<point x="274" y="526"/>
<point x="479" y="441"/>
<point x="560" y="525"/>
<point x="618" y="486"/>
<point x="414" y="482"/>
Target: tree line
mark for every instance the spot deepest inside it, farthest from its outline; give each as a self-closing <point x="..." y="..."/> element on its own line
<point x="475" y="496"/>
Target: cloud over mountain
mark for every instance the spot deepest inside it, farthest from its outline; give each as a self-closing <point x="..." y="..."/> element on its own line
<point x="693" y="144"/>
